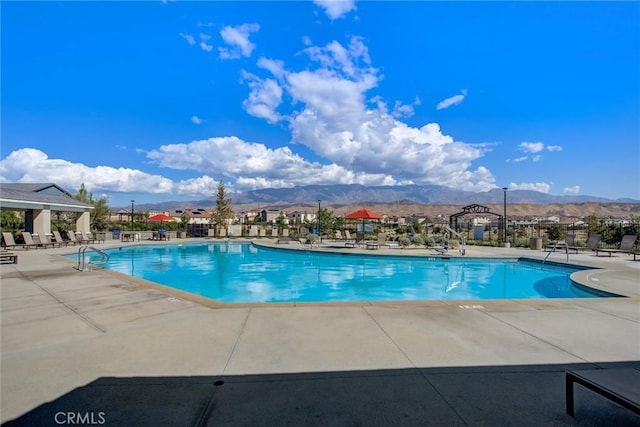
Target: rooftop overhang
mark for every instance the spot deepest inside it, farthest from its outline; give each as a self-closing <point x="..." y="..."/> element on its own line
<point x="29" y="205"/>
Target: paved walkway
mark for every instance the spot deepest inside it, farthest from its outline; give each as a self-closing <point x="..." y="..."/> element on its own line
<point x="97" y="344"/>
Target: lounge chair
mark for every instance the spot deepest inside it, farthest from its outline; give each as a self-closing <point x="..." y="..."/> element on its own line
<point x="28" y="240"/>
<point x="442" y="249"/>
<point x="626" y="246"/>
<point x="352" y="243"/>
<point x="72" y="237"/>
<point x="8" y="256"/>
<point x="7" y="240"/>
<point x="347" y="238"/>
<point x="593" y="242"/>
<point x="60" y="240"/>
<point x="46" y="240"/>
<point x="84" y="238"/>
<point x="287" y="239"/>
<point x="99" y="238"/>
<point x="391" y="244"/>
<point x="375" y="244"/>
<point x="569" y="242"/>
<point x="618" y="385"/>
<point x="311" y="240"/>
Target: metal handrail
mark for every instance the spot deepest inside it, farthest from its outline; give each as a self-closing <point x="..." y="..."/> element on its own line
<point x="553" y="249"/>
<point x="83" y="265"/>
<point x="460" y="237"/>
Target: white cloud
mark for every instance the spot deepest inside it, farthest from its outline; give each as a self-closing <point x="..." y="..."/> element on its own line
<point x="331" y="116"/>
<point x="189" y="38"/>
<point x="264" y="99"/>
<point x="238" y="40"/>
<point x="32" y="165"/>
<point x="196" y="120"/>
<point x="542" y="187"/>
<point x="518" y="159"/>
<point x="274" y="66"/>
<point x="405" y="110"/>
<point x="204" y="38"/>
<point x="531" y="147"/>
<point x="252" y="165"/>
<point x="572" y="190"/>
<point x="336" y="8"/>
<point x="199" y="186"/>
<point x="454" y="100"/>
<point x="534" y="147"/>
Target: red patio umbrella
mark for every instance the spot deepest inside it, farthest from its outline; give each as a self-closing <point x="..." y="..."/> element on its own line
<point x="160" y="218"/>
<point x="363" y="214"/>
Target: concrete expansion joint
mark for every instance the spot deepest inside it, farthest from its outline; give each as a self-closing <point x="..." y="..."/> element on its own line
<point x="404" y="354"/>
<point x="243" y="327"/>
<point x="83" y="318"/>
<point x="537" y="338"/>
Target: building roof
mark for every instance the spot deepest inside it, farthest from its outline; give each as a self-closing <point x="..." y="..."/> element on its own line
<point x="39" y="196"/>
<point x="189" y="213"/>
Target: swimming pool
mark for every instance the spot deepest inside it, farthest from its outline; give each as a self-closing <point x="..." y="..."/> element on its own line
<point x="234" y="272"/>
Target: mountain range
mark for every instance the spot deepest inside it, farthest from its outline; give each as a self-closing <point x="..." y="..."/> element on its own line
<point x="348" y="194"/>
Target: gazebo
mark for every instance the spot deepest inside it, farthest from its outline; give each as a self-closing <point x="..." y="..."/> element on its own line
<point x="38" y="201"/>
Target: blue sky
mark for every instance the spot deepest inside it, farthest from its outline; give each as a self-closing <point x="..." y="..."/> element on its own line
<point x="160" y="101"/>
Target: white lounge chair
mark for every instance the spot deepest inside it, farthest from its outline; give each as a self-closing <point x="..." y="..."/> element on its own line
<point x="442" y="249"/>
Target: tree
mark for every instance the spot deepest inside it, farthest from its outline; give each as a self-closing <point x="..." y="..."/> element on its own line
<point x="99" y="215"/>
<point x="417" y="225"/>
<point x="555" y="232"/>
<point x="223" y="210"/>
<point x="11" y="220"/>
<point x="326" y="219"/>
<point x="281" y="222"/>
<point x="593" y="224"/>
<point x="83" y="195"/>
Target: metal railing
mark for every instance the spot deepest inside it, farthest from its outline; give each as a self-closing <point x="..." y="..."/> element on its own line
<point x="553" y="249"/>
<point x="460" y="237"/>
<point x="83" y="265"/>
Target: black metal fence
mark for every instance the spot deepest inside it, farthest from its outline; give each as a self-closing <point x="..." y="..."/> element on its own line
<point x="519" y="234"/>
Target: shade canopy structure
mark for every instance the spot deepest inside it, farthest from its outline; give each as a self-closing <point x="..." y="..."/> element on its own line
<point x="363" y="214"/>
<point x="160" y="218"/>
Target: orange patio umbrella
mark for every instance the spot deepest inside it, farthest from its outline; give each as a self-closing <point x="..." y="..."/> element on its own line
<point x="160" y="218"/>
<point x="363" y="214"/>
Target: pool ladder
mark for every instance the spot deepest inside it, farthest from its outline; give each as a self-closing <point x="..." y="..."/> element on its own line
<point x="553" y="249"/>
<point x="460" y="237"/>
<point x="83" y="265"/>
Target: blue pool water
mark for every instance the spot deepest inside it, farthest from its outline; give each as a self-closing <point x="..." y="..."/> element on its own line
<point x="243" y="273"/>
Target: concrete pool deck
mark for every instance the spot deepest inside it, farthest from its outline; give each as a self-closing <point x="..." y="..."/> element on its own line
<point x="98" y="344"/>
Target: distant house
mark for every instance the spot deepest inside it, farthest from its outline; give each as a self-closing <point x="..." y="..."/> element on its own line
<point x="198" y="220"/>
<point x="298" y="217"/>
<point x="269" y="215"/>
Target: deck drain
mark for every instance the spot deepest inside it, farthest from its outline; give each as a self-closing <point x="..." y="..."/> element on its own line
<point x="218" y="383"/>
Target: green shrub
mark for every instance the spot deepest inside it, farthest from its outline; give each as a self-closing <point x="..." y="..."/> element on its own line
<point x="522" y="242"/>
<point x="404" y="241"/>
<point x="417" y="240"/>
<point x="430" y="241"/>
